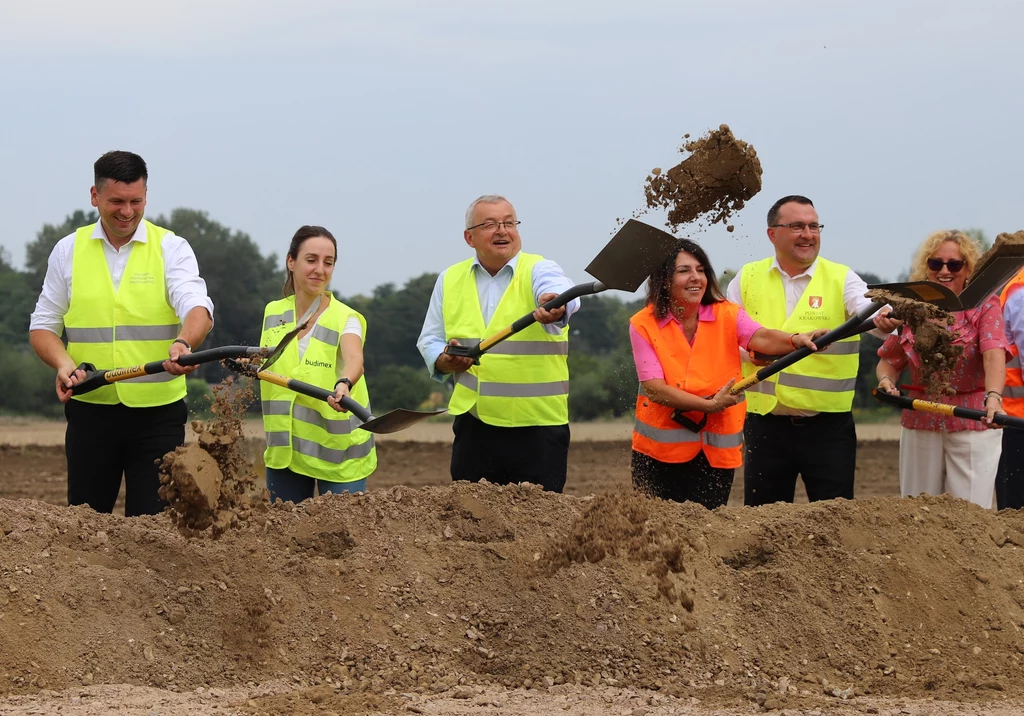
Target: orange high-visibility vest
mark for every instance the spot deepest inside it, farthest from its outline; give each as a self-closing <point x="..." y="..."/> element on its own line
<point x="1013" y="393"/>
<point x="701" y="369"/>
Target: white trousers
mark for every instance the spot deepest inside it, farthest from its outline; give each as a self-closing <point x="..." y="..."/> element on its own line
<point x="962" y="463"/>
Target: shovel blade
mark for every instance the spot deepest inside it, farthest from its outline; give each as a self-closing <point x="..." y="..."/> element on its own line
<point x="396" y="420"/>
<point x="632" y="254"/>
<point x="924" y="291"/>
<point x="991" y="276"/>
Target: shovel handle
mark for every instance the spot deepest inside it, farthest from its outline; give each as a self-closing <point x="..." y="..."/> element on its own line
<point x="315" y="391"/>
<point x="864" y="327"/>
<point x="926" y="406"/>
<point x="474" y="352"/>
<point x="99" y="378"/>
<point x="792" y="357"/>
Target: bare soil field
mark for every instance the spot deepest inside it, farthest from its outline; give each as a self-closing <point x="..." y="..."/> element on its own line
<point x="424" y="597"/>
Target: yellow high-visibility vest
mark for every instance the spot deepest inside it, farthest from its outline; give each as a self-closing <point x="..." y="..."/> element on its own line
<point x="133" y="325"/>
<point x="523" y="380"/>
<point x="304" y="434"/>
<point x="824" y="381"/>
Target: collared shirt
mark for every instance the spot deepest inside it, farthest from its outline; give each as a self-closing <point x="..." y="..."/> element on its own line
<point x="548" y="277"/>
<point x="854" y="301"/>
<point x="185" y="288"/>
<point x="1013" y="320"/>
<point x="648" y="367"/>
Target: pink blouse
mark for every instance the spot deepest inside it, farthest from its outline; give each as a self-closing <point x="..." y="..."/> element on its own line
<point x="977" y="330"/>
<point x="647" y="365"/>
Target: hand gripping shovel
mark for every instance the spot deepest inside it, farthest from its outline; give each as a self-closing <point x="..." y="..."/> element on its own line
<point x="623" y="265"/>
<point x="390" y="422"/>
<point x="99" y="378"/>
<point x="907" y="403"/>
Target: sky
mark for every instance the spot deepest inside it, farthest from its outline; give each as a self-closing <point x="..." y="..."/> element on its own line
<point x="383" y="120"/>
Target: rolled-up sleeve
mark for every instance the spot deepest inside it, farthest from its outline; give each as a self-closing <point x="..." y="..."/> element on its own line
<point x="991" y="334"/>
<point x="186" y="289"/>
<point x="548" y="277"/>
<point x="893" y="351"/>
<point x="1013" y="319"/>
<point x="55" y="296"/>
<point x="432" y="340"/>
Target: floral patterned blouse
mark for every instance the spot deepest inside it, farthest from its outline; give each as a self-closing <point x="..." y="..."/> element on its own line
<point x="977" y="330"/>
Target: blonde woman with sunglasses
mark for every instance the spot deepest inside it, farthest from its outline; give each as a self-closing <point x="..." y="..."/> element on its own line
<point x="939" y="453"/>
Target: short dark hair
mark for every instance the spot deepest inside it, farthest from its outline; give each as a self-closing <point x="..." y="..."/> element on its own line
<point x="659" y="285"/>
<point x="304" y="232"/>
<point x="120" y="166"/>
<point x="773" y="213"/>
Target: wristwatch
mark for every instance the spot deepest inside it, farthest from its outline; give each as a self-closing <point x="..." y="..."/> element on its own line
<point x="346" y="381"/>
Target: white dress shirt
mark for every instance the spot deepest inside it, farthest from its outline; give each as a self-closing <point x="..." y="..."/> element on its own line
<point x="854" y="301"/>
<point x="547" y="276"/>
<point x="185" y="288"/>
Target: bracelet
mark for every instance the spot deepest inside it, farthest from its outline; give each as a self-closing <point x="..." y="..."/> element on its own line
<point x="791" y="343"/>
<point x="885" y="377"/>
<point x="714" y="401"/>
<point x="999" y="396"/>
<point x="346" y="381"/>
<point x="183" y="342"/>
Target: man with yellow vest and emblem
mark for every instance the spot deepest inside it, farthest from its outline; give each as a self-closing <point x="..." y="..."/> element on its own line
<point x="124" y="292"/>
<point x="511" y="411"/>
<point x="312" y="444"/>
<point x="1010" y="476"/>
<point x="688" y="432"/>
<point x="800" y="421"/>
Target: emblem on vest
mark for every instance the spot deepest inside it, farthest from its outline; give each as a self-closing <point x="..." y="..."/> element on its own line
<point x="141" y="277"/>
<point x="814" y="301"/>
<point x="318" y="363"/>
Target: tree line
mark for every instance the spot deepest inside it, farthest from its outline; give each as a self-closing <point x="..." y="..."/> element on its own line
<point x="241" y="280"/>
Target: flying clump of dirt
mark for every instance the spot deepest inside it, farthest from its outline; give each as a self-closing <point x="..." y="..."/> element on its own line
<point x="210" y="484"/>
<point x="718" y="177"/>
<point x="624" y="525"/>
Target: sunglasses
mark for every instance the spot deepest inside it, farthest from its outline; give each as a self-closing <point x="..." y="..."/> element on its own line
<point x="954" y="265"/>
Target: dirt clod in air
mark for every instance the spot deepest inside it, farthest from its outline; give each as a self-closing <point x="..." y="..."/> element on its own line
<point x="210" y="484"/>
<point x="720" y="174"/>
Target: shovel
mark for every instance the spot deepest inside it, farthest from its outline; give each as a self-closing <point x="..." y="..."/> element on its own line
<point x="907" y="403"/>
<point x="624" y="264"/>
<point x="98" y="378"/>
<point x="390" y="422"/>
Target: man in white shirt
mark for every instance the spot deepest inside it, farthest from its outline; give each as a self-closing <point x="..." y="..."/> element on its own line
<point x="801" y="422"/>
<point x="511" y="411"/>
<point x="125" y="290"/>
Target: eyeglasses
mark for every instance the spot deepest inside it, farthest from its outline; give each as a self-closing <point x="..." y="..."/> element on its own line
<point x="954" y="265"/>
<point x="493" y="225"/>
<point x="799" y="226"/>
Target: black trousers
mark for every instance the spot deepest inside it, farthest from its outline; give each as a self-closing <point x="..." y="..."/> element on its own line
<point x="693" y="481"/>
<point x="537" y="454"/>
<point x="104" y="442"/>
<point x="822" y="449"/>
<point x="1010" y="475"/>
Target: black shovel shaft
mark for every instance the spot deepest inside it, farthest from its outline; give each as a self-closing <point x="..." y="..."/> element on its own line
<point x="864" y="327"/>
<point x="792" y="357"/>
<point x="908" y="403"/>
<point x="582" y="289"/>
<point x="99" y="378"/>
<point x="315" y="391"/>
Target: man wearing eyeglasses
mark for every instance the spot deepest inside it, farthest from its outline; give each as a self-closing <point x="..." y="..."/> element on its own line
<point x="799" y="422"/>
<point x="511" y="411"/>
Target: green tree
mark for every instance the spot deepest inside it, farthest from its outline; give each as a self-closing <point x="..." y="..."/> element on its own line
<point x="399" y="386"/>
<point x="979" y="235"/>
<point x="18" y="300"/>
<point x="37" y="252"/>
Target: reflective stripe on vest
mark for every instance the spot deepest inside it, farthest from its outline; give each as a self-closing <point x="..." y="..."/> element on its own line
<point x="824" y="381"/>
<point x="701" y="369"/>
<point x="306" y="435"/>
<point x="129" y="326"/>
<point x="522" y="381"/>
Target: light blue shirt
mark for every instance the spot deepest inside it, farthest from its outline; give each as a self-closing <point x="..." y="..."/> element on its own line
<point x="548" y="277"/>
<point x="1013" y="317"/>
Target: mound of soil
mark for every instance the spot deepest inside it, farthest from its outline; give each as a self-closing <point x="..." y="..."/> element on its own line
<point x="423" y="591"/>
<point x="718" y="177"/>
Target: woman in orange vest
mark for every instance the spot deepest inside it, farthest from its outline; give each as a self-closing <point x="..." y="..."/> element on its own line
<point x="688" y="434"/>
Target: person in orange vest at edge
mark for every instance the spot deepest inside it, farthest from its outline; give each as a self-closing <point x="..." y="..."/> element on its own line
<point x="688" y="434"/>
<point x="1010" y="474"/>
